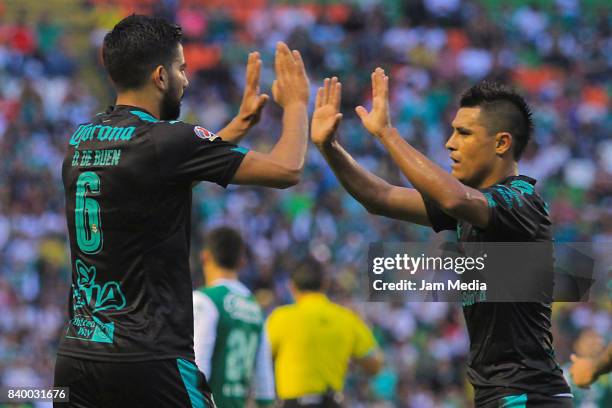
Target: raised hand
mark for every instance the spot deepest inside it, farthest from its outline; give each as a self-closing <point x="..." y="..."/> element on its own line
<point x="327" y="116"/>
<point x="291" y="84"/>
<point x="378" y="118"/>
<point x="252" y="101"/>
<point x="582" y="371"/>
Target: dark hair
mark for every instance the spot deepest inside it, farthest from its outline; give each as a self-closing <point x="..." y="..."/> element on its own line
<point x="226" y="246"/>
<point x="308" y="275"/>
<point x="135" y="46"/>
<point x="504" y="111"/>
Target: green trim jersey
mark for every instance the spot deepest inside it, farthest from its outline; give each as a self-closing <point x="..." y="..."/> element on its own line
<point x="511" y="347"/>
<point x="231" y="348"/>
<point x="127" y="180"/>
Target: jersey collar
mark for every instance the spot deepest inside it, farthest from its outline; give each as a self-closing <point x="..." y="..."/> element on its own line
<point x="528" y="179"/>
<point x="115" y="108"/>
<point x="233" y="284"/>
<point x="312" y="297"/>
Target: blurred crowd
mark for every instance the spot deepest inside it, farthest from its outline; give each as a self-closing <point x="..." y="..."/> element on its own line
<point x="558" y="52"/>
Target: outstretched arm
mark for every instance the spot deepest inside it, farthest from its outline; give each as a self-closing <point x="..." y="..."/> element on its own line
<point x="434" y="184"/>
<point x="374" y="193"/>
<point x="282" y="167"/>
<point x="251" y="106"/>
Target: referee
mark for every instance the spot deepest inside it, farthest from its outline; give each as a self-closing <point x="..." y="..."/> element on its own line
<point x="313" y="342"/>
<point x="511" y="362"/>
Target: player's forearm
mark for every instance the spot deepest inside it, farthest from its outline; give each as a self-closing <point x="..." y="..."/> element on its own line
<point x="235" y="131"/>
<point x="362" y="185"/>
<point x="290" y="150"/>
<point x="428" y="178"/>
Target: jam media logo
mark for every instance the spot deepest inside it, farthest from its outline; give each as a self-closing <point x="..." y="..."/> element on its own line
<point x="90" y="298"/>
<point x="204" y="133"/>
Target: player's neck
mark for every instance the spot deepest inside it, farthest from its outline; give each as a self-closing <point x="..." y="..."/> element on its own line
<point x="139" y="99"/>
<point x="301" y="294"/>
<point x="499" y="174"/>
<point x="214" y="275"/>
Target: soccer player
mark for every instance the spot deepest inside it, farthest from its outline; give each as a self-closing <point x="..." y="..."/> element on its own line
<point x="230" y="344"/>
<point x="511" y="360"/>
<point x="583" y="375"/>
<point x="589" y="365"/>
<point x="128" y="175"/>
<point x="313" y="342"/>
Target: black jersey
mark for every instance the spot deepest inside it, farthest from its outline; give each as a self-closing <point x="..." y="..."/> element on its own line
<point x="128" y="179"/>
<point x="511" y="347"/>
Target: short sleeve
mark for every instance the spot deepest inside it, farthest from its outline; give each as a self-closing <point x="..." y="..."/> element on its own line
<point x="515" y="210"/>
<point x="439" y="220"/>
<point x="273" y="330"/>
<point x="206" y="317"/>
<point x="263" y="381"/>
<point x="191" y="153"/>
<point x="364" y="339"/>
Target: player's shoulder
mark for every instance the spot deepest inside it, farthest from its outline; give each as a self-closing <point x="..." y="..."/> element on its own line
<point x="348" y="315"/>
<point x="340" y="313"/>
<point x="178" y="127"/>
<point x="202" y="302"/>
<point x="514" y="191"/>
<point x="521" y="183"/>
<point x="524" y="185"/>
<point x="282" y="314"/>
<point x="200" y="294"/>
<point x="214" y="293"/>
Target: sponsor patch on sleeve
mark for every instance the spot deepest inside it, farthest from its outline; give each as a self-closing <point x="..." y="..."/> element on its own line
<point x="204" y="133"/>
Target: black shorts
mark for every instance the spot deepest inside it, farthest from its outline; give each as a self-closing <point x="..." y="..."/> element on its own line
<point x="328" y="400"/>
<point x="531" y="401"/>
<point x="162" y="383"/>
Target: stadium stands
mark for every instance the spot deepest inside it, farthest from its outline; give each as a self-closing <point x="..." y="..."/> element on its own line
<point x="558" y="51"/>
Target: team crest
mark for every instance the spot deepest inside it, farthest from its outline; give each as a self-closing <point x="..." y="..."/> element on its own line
<point x="204" y="133"/>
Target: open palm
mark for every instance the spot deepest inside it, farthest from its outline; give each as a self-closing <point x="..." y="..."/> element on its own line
<point x="253" y="101"/>
<point x="378" y="118"/>
<point x="327" y="116"/>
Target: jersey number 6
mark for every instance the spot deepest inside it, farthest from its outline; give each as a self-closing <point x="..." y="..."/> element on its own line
<point x="87" y="213"/>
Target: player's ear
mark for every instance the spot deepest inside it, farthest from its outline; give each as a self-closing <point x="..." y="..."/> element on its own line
<point x="160" y="77"/>
<point x="503" y="143"/>
<point x="204" y="256"/>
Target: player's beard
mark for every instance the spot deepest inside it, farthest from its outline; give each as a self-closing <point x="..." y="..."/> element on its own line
<point x="170" y="106"/>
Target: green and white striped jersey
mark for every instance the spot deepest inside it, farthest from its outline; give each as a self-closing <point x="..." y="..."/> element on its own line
<point x="230" y="345"/>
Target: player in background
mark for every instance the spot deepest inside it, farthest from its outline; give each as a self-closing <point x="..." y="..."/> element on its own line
<point x="511" y="360"/>
<point x="230" y="343"/>
<point x="591" y="359"/>
<point x="313" y="342"/>
<point x="128" y="175"/>
<point x="586" y="375"/>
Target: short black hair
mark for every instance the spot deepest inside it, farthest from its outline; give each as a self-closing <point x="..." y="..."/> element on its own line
<point x="135" y="46"/>
<point x="308" y="275"/>
<point x="226" y="246"/>
<point x="504" y="111"/>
